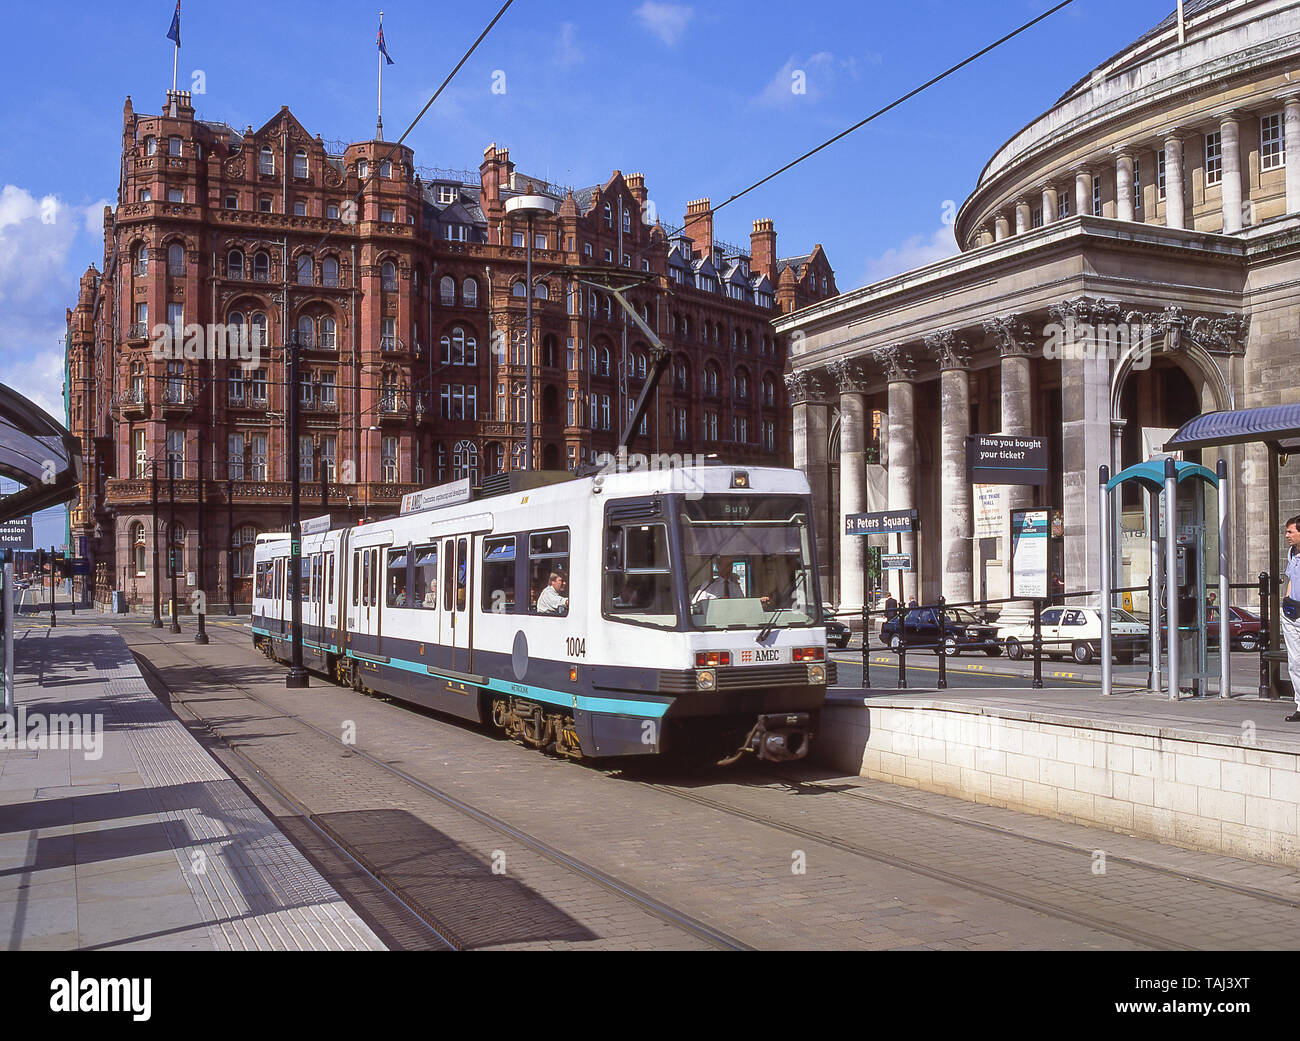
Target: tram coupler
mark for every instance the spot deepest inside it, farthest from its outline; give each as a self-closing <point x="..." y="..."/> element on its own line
<point x="781" y="737"/>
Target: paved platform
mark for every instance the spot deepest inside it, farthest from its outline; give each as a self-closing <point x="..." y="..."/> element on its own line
<point x="118" y="831"/>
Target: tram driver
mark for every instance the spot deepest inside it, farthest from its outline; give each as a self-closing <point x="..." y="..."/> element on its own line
<point x="725" y="587"/>
<point x="553" y="599"/>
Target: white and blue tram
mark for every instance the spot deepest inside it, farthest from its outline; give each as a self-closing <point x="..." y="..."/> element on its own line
<point x="630" y="613"/>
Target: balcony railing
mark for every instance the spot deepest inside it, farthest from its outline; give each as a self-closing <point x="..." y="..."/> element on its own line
<point x="141" y="267"/>
<point x="177" y="394"/>
<point x="137" y="331"/>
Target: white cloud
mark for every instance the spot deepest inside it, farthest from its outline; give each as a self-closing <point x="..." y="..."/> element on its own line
<point x="36" y="235"/>
<point x="913" y="252"/>
<point x="567" y="51"/>
<point x="667" y="21"/>
<point x="811" y="78"/>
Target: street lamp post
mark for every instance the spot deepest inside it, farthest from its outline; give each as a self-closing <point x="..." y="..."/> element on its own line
<point x="201" y="637"/>
<point x="175" y="627"/>
<point x="296" y="677"/>
<point x="529" y="207"/>
<point x="157" y="583"/>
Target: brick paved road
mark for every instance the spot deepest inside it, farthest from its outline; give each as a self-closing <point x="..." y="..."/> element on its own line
<point x="843" y="863"/>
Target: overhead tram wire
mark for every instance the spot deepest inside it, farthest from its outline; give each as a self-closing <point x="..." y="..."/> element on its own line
<point x="894" y="104"/>
<point x="358" y="199"/>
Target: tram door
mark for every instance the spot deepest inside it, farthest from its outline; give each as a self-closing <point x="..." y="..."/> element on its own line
<point x="455" y="636"/>
<point x="281" y="565"/>
<point x="369" y="599"/>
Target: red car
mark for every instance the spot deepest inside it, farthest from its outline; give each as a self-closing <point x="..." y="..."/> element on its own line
<point x="1245" y="630"/>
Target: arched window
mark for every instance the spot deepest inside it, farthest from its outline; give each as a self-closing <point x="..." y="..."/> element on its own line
<point x="464" y="461"/>
<point x="306" y="332"/>
<point x="266" y="161"/>
<point x="175" y="259"/>
<point x="236" y="319"/>
<point x="640" y="364"/>
<point x="327" y="333"/>
<point x="234" y="264"/>
<point x="471" y="349"/>
<point x="627" y="222"/>
<point x="740" y="385"/>
<point x="769" y="392"/>
<point x="604" y="361"/>
<point x="469" y="293"/>
<point x="329" y="272"/>
<point x="261" y="267"/>
<point x="494" y="458"/>
<point x="142" y="260"/>
<point x="609" y="307"/>
<point x="447" y="291"/>
<point x="609" y="216"/>
<point x="138" y="547"/>
<point x="243" y="544"/>
<point x="686" y="326"/>
<point x="257" y="334"/>
<point x="541" y="292"/>
<point x="711" y="380"/>
<point x="388" y="275"/>
<point x="150" y="145"/>
<point x="681" y="374"/>
<point x="306" y="270"/>
<point x="458" y="346"/>
<point x="519" y="291"/>
<point x="300" y="163"/>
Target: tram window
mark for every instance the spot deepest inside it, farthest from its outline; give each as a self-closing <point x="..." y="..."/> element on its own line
<point x="448" y="573"/>
<point x="304" y="578"/>
<point x="374" y="578"/>
<point x="425" y="591"/>
<point x="499" y="575"/>
<point x="261" y="583"/>
<point x="356" y="576"/>
<point x="462" y="574"/>
<point x="638" y="583"/>
<point x="548" y="554"/>
<point x="329" y="578"/>
<point x="365" y="579"/>
<point x="279" y="580"/>
<point x="395" y="581"/>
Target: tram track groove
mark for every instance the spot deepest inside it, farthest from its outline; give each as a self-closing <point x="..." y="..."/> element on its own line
<point x="625" y="891"/>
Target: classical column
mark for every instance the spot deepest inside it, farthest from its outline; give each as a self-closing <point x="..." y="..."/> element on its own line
<point x="1230" y="151"/>
<point x="1001" y="226"/>
<point x="956" y="568"/>
<point x="1050" y="205"/>
<point x="900" y="370"/>
<point x="851" y="380"/>
<point x="1124" y="186"/>
<point x="810" y="430"/>
<point x="1291" y="125"/>
<point x="1083" y="191"/>
<point x="1175" y="214"/>
<point x="1023" y="216"/>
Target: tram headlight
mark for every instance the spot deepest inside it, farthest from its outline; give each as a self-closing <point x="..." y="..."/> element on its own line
<point x="706" y="679"/>
<point x="816" y="673"/>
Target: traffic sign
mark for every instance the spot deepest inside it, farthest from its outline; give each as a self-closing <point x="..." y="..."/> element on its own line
<point x="896" y="562"/>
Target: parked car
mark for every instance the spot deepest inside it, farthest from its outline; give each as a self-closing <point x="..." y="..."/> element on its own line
<point x="963" y="631"/>
<point x="1076" y="632"/>
<point x="837" y="633"/>
<point x="1245" y="630"/>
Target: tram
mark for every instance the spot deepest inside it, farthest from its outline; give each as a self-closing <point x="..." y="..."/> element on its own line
<point x="645" y="612"/>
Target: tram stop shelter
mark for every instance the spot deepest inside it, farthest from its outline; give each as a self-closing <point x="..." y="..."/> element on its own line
<point x="1277" y="427"/>
<point x="1180" y="578"/>
<point x="45" y="459"/>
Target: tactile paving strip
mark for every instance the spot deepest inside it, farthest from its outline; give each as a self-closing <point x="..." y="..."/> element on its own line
<point x="257" y="889"/>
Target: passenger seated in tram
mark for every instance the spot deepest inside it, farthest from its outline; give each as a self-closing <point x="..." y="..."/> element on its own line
<point x="431" y="594"/>
<point x="553" y="600"/>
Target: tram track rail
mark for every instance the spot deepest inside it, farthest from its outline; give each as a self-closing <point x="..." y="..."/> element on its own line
<point x="436" y="922"/>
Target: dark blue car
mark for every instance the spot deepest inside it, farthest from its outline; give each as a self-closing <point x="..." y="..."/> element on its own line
<point x="963" y="631"/>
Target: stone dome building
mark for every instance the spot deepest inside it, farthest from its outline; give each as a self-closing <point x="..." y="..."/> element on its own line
<point x="1129" y="260"/>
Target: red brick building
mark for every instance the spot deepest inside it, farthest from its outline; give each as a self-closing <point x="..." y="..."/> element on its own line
<point x="407" y="301"/>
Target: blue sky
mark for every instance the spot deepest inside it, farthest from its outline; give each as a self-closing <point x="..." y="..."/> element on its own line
<point x="697" y="96"/>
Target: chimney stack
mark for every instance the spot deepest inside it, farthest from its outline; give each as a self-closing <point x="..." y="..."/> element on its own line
<point x="762" y="249"/>
<point x="699" y="226"/>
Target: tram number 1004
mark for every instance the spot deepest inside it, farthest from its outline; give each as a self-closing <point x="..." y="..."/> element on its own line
<point x="577" y="646"/>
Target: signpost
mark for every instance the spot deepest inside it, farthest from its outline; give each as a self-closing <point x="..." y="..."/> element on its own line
<point x="884" y="522"/>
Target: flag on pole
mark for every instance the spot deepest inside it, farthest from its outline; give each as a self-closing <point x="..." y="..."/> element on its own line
<point x="174" y="33"/>
<point x="380" y="39"/>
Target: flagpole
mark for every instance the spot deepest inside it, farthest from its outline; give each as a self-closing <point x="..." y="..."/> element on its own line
<point x="176" y="53"/>
<point x="379" y="58"/>
<point x="1182" y="34"/>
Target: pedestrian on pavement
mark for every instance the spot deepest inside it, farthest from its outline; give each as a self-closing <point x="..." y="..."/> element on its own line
<point x="891" y="608"/>
<point x="1291" y="612"/>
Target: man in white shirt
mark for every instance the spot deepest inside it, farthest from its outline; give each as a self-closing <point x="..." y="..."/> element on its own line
<point x="725" y="587"/>
<point x="553" y="600"/>
<point x="1291" y="629"/>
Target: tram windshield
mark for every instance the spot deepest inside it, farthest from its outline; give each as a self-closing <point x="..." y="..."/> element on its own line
<point x="748" y="562"/>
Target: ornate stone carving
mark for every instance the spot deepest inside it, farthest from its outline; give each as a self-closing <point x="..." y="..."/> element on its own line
<point x="1011" y="335"/>
<point x="805" y="387"/>
<point x="850" y="376"/>
<point x="948" y="350"/>
<point x="898" y="362"/>
<point x="1085" y="309"/>
<point x="1224" y="333"/>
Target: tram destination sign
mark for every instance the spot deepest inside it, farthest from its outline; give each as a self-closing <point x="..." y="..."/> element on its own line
<point x="888" y="522"/>
<point x="1002" y="459"/>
